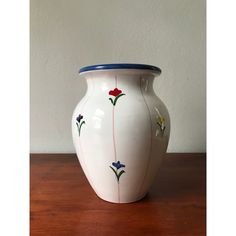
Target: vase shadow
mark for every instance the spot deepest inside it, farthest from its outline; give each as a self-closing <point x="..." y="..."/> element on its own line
<point x="174" y="181"/>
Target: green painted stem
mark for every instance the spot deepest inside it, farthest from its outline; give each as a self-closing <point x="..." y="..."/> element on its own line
<point x="122" y="94"/>
<point x="116" y="173"/>
<point x="119" y="175"/>
<point x="77" y="126"/>
<point x="81" y="126"/>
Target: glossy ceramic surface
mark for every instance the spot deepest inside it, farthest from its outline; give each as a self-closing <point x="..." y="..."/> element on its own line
<point x="120" y="132"/>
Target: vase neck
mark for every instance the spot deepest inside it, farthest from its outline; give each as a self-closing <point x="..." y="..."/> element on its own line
<point x="123" y="83"/>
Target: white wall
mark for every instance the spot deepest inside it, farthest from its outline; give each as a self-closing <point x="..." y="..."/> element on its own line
<point x="69" y="34"/>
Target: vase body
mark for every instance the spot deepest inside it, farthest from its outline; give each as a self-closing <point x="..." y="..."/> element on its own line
<point x="120" y="132"/>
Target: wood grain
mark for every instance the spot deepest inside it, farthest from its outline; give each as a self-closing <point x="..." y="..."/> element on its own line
<point x="63" y="203"/>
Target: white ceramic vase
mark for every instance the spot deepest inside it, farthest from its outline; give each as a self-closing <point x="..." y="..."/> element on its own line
<point x="120" y="130"/>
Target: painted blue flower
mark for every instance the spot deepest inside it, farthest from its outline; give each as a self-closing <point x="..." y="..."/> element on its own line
<point x="118" y="165"/>
<point x="79" y="125"/>
<point x="79" y="118"/>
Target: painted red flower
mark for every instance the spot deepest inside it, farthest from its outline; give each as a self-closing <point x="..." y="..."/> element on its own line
<point x="115" y="92"/>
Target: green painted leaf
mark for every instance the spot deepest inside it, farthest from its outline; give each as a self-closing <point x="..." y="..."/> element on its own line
<point x="163" y="129"/>
<point x="111" y="101"/>
<point x="114" y="170"/>
<point x="119" y="175"/>
<point x="80" y="126"/>
<point x="82" y="123"/>
<point x="122" y="94"/>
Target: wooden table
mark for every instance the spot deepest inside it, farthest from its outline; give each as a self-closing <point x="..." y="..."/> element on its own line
<point x="63" y="203"/>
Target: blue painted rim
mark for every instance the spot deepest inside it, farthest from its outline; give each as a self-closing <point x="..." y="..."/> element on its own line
<point x="120" y="66"/>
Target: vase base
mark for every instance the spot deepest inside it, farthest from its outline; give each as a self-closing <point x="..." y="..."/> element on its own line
<point x="122" y="201"/>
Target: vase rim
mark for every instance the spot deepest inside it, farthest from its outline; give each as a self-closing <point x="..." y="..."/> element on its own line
<point x="119" y="66"/>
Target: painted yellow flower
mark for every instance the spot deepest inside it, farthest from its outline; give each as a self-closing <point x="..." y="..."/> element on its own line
<point x="161" y="120"/>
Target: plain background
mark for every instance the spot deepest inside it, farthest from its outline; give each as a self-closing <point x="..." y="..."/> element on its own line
<point x="69" y="34"/>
